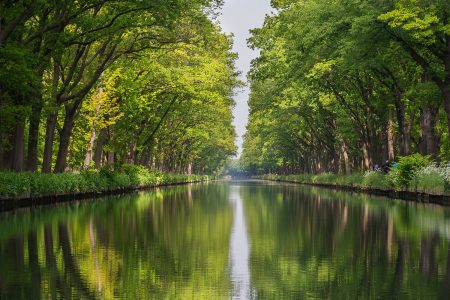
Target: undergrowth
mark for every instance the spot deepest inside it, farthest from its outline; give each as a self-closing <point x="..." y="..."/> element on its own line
<point x="27" y="184"/>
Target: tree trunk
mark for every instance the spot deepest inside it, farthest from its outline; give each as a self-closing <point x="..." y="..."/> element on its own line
<point x="145" y="158"/>
<point x="110" y="158"/>
<point x="64" y="140"/>
<point x="367" y="160"/>
<point x="89" y="153"/>
<point x="446" y="93"/>
<point x="390" y="136"/>
<point x="19" y="146"/>
<point x="406" y="140"/>
<point x="52" y="118"/>
<point x="99" y="147"/>
<point x="131" y="153"/>
<point x="33" y="137"/>
<point x="2" y="151"/>
<point x="8" y="154"/>
<point x="428" y="139"/>
<point x="404" y="128"/>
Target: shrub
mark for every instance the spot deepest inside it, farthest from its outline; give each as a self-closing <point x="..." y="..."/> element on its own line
<point x="407" y="166"/>
<point x="139" y="176"/>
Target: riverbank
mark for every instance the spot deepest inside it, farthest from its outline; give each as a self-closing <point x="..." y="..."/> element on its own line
<point x="370" y="183"/>
<point x="28" y="189"/>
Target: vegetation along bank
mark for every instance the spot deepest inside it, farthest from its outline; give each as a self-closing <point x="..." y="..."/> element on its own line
<point x="414" y="178"/>
<point x="26" y="188"/>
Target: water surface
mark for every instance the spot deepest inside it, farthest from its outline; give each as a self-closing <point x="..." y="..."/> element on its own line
<point x="230" y="240"/>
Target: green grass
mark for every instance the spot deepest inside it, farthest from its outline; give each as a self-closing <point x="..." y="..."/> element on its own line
<point x="377" y="180"/>
<point x="27" y="184"/>
<point x="431" y="183"/>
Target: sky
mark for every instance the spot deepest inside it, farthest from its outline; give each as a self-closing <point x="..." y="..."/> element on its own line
<point x="238" y="17"/>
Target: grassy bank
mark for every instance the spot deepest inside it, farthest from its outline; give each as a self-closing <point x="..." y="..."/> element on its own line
<point x="363" y="181"/>
<point x="414" y="173"/>
<point x="32" y="185"/>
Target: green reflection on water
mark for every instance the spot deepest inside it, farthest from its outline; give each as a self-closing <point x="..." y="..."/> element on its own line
<point x="174" y="243"/>
<point x="168" y="244"/>
<point x="310" y="243"/>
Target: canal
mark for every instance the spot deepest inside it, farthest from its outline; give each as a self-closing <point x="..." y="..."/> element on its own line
<point x="227" y="240"/>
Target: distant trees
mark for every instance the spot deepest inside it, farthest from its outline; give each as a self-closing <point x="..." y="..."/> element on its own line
<point x="342" y="86"/>
<point x="97" y="82"/>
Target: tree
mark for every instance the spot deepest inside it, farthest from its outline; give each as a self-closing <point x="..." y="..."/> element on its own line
<point x="341" y="88"/>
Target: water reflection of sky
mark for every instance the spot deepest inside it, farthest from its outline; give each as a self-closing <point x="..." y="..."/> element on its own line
<point x="239" y="249"/>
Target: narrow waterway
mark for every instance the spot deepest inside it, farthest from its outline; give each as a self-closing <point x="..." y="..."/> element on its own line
<point x="227" y="240"/>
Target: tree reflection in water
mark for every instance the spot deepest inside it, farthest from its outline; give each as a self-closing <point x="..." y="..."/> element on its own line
<point x="316" y="243"/>
<point x="171" y="243"/>
<point x="176" y="243"/>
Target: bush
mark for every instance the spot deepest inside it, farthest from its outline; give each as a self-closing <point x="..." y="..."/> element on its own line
<point x="140" y="176"/>
<point x="406" y="169"/>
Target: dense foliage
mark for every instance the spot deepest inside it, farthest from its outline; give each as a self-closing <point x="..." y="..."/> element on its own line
<point x="346" y="85"/>
<point x="90" y="83"/>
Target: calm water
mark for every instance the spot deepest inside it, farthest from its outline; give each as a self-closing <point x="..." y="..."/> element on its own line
<point x="235" y="240"/>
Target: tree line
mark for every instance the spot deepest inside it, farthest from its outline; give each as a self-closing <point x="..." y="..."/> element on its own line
<point x="92" y="83"/>
<point x="347" y="85"/>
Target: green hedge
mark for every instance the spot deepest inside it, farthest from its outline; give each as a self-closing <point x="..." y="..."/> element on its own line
<point x="27" y="184"/>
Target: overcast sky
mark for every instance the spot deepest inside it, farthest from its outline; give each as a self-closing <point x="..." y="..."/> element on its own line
<point x="238" y="17"/>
